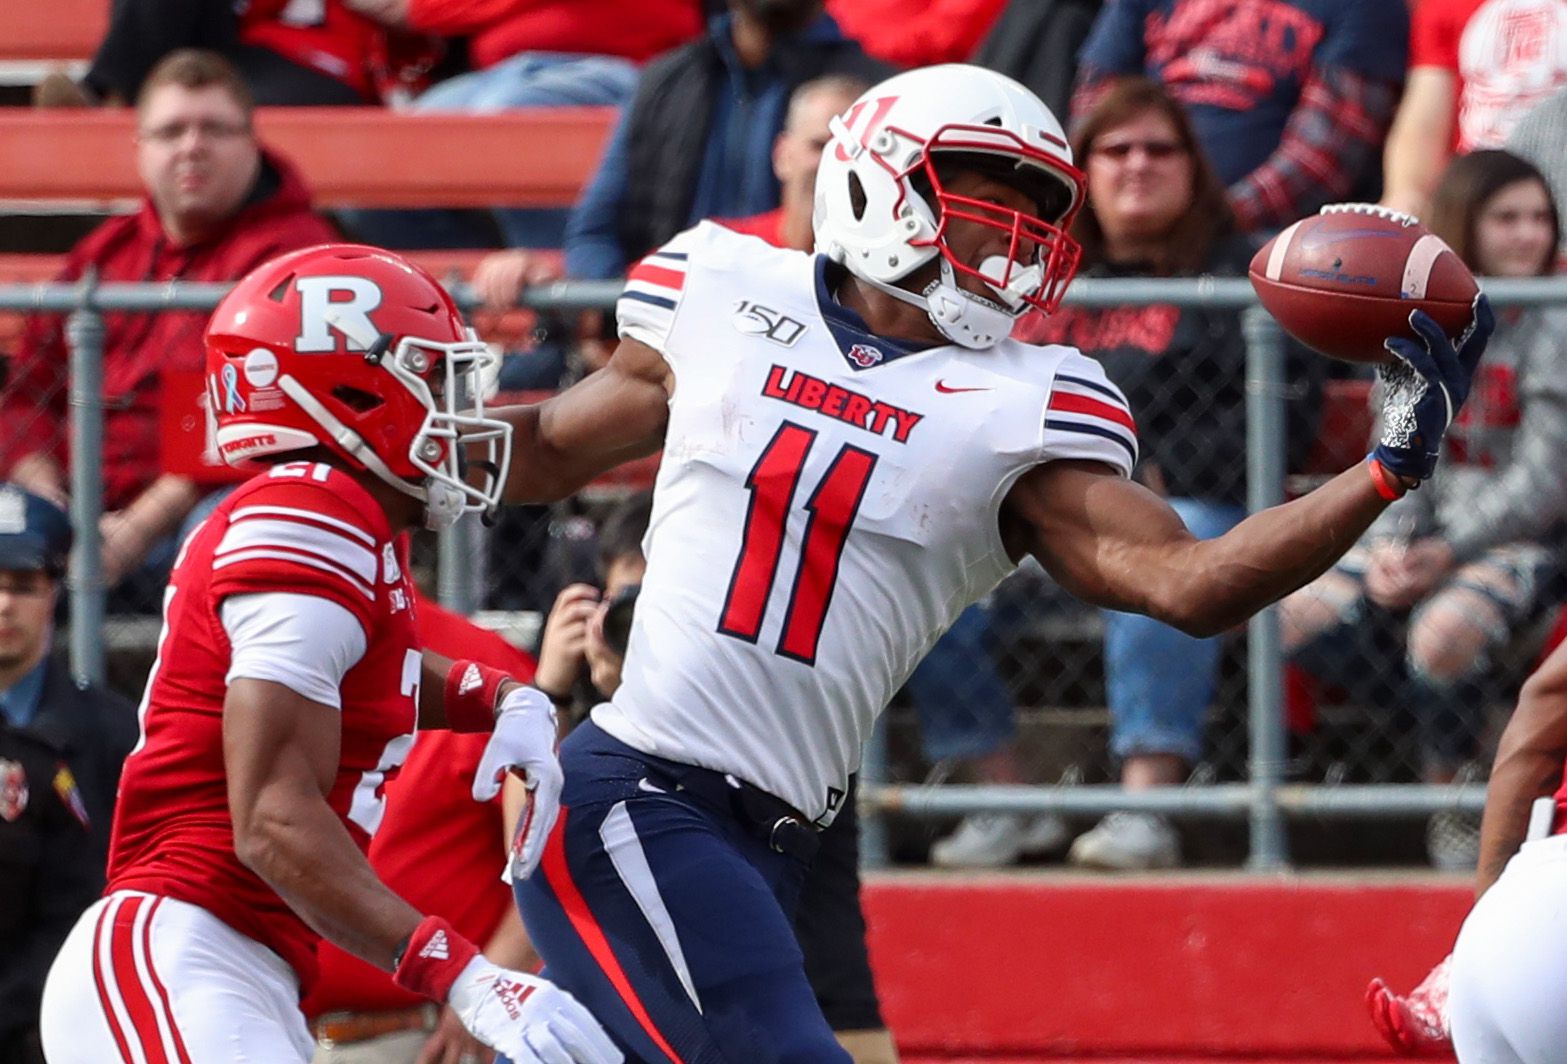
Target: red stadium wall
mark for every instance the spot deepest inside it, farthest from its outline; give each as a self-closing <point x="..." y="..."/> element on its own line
<point x="1187" y="967"/>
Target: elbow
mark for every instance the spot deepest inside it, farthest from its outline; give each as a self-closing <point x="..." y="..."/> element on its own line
<point x="261" y="836"/>
<point x="1191" y="612"/>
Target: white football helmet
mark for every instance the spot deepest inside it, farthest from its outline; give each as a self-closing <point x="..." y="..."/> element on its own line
<point x="877" y="180"/>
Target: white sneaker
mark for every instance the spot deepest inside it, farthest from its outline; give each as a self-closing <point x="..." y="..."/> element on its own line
<point x="1046" y="834"/>
<point x="982" y="840"/>
<point x="1453" y="841"/>
<point x="1128" y="842"/>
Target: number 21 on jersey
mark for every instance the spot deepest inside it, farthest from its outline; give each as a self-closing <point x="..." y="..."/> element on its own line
<point x="830" y="511"/>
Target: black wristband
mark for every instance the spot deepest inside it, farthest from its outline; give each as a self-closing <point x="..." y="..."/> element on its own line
<point x="400" y="949"/>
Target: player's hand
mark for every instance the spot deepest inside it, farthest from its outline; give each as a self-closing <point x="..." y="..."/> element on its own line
<point x="524" y="743"/>
<point x="1423" y="386"/>
<point x="1415" y="1025"/>
<point x="452" y="1043"/>
<point x="530" y="1020"/>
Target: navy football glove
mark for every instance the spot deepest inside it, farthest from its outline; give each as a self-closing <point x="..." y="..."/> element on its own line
<point x="1423" y="385"/>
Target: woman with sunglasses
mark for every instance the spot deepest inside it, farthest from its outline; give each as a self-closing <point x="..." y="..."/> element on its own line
<point x="1155" y="208"/>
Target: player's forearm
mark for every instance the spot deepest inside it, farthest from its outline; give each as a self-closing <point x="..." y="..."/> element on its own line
<point x="303" y="851"/>
<point x="1221" y="582"/>
<point x="1529" y="761"/>
<point x="560" y="445"/>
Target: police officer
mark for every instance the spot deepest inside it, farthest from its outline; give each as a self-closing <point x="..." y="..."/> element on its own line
<point x="61" y="746"/>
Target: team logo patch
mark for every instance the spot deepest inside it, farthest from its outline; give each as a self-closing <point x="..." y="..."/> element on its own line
<point x="13" y="790"/>
<point x="389" y="565"/>
<point x="260" y="368"/>
<point x="865" y="356"/>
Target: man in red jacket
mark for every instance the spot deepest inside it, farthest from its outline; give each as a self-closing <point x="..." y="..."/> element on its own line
<point x="217" y="205"/>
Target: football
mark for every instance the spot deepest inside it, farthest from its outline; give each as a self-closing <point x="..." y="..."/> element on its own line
<point x="1347" y="278"/>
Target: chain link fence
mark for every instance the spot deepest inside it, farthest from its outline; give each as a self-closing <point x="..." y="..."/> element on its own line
<point x="1031" y="672"/>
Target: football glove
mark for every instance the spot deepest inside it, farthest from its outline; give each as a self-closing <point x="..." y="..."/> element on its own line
<point x="1423" y="386"/>
<point x="1415" y="1025"/>
<point x="524" y="742"/>
<point x="528" y="1019"/>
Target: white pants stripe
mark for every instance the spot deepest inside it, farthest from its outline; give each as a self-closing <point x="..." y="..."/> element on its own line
<point x="619" y="836"/>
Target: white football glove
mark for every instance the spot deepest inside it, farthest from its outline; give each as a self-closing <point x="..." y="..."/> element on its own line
<point x="524" y="742"/>
<point x="530" y="1020"/>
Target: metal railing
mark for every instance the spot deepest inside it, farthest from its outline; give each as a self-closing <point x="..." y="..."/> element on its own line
<point x="1264" y="801"/>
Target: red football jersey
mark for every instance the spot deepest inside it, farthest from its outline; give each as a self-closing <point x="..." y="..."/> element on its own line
<point x="302" y="528"/>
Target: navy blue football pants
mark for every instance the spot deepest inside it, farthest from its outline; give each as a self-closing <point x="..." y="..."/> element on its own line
<point x="663" y="903"/>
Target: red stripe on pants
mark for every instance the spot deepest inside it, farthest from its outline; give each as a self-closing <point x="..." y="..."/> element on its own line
<point x="558" y="875"/>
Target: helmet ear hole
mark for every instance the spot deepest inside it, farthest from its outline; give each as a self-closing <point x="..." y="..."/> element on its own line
<point x="857" y="197"/>
<point x="356" y="399"/>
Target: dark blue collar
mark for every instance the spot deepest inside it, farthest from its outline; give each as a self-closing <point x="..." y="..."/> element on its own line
<point x="861" y="348"/>
<point x="19" y="702"/>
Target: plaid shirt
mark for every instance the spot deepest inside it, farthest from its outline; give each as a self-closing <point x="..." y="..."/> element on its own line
<point x="1334" y="133"/>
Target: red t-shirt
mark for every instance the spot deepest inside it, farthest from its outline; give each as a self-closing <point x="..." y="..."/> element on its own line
<point x="304" y="528"/>
<point x="437" y="848"/>
<point x="1507" y="55"/>
<point x="498" y="29"/>
<point x="913" y="35"/>
<point x="768" y="225"/>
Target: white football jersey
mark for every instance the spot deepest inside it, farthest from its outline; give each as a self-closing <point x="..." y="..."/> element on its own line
<point x="828" y="503"/>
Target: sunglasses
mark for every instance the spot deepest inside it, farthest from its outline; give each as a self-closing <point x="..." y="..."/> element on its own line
<point x="1157" y="150"/>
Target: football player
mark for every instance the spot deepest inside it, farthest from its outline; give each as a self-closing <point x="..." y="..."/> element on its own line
<point x="1496" y="999"/>
<point x="853" y="451"/>
<point x="288" y="686"/>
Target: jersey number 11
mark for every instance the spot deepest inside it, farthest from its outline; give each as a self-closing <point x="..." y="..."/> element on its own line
<point x="831" y="509"/>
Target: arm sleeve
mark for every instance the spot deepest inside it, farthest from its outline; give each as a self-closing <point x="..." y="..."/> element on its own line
<point x="593" y="249"/>
<point x="1088" y="418"/>
<point x="1433" y="35"/>
<point x="305" y="643"/>
<point x="1530" y="495"/>
<point x="1334" y="134"/>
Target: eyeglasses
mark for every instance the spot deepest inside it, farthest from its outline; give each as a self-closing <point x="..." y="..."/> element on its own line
<point x="1156" y="150"/>
<point x="174" y="132"/>
<point x="25" y="583"/>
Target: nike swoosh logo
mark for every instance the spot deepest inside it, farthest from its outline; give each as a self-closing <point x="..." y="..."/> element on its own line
<point x="946" y="389"/>
<point x="644" y="785"/>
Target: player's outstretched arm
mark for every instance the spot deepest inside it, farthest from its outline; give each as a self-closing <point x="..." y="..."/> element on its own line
<point x="609" y="417"/>
<point x="1529" y="760"/>
<point x="1114" y="543"/>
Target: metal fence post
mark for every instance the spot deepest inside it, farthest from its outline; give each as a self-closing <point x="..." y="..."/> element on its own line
<point x="84" y="334"/>
<point x="1265" y="415"/>
<point x="459" y="566"/>
<point x="874" y="850"/>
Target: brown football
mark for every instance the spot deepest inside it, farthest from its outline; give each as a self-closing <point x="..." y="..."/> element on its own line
<point x="1344" y="280"/>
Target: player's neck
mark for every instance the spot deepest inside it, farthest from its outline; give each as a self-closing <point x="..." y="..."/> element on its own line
<point x="402" y="510"/>
<point x="887" y="315"/>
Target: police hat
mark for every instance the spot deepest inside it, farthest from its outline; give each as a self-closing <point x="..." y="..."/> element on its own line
<point x="34" y="533"/>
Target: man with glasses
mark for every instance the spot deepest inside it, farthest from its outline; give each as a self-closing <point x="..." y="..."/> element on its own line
<point x="61" y="746"/>
<point x="217" y="205"/>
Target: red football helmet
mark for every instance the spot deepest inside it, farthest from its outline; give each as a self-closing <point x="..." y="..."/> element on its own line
<point x="362" y="352"/>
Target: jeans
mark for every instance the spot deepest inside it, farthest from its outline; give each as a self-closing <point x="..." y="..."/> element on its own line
<point x="965" y="710"/>
<point x="528" y="79"/>
<point x="1159" y="680"/>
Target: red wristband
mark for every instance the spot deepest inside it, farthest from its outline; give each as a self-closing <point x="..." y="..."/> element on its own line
<point x="433" y="959"/>
<point x="470" y="696"/>
<point x="1385" y="485"/>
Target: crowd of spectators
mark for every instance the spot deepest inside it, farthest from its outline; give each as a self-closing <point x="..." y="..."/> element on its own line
<point x="1202" y="127"/>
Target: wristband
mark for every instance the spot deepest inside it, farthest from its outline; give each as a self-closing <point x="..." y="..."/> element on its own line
<point x="1386" y="487"/>
<point x="432" y="959"/>
<point x="471" y="690"/>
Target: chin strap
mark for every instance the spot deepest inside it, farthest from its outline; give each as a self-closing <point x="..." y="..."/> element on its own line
<point x="443" y="504"/>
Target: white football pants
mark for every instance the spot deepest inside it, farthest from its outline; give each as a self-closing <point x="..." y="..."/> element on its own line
<point x="1508" y="1000"/>
<point x="149" y="980"/>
